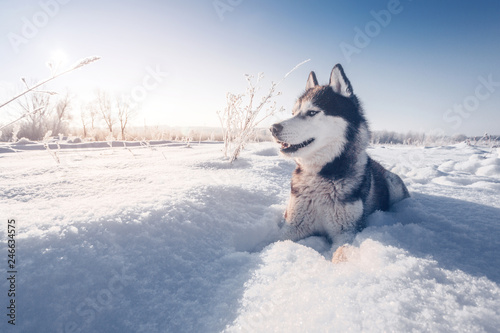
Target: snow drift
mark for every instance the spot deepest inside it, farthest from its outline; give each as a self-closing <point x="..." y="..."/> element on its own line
<point x="169" y="239"/>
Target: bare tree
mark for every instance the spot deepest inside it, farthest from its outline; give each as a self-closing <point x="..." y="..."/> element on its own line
<point x="61" y="114"/>
<point x="92" y="113"/>
<point x="103" y="103"/>
<point x="124" y="108"/>
<point x="84" y="120"/>
<point x="88" y="117"/>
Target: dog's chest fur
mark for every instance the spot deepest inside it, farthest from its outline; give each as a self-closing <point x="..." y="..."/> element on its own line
<point x="317" y="205"/>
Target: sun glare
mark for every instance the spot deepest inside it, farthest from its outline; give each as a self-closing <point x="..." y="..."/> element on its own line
<point x="59" y="57"/>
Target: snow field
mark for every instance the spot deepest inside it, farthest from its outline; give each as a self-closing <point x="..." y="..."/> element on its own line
<point x="173" y="239"/>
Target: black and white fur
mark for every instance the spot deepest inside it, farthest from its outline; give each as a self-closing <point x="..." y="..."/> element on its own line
<point x="336" y="185"/>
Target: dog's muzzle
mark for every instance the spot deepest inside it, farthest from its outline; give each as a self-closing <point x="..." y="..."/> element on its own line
<point x="286" y="147"/>
<point x="276" y="130"/>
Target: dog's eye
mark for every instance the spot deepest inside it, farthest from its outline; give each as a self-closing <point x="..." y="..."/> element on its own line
<point x="311" y="113"/>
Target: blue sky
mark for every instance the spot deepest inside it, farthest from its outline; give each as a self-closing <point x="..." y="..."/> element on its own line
<point x="430" y="66"/>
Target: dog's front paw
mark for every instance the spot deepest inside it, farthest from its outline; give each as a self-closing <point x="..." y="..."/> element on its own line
<point x="343" y="253"/>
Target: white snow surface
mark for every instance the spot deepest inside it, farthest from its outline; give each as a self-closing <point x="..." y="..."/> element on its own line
<point x="166" y="238"/>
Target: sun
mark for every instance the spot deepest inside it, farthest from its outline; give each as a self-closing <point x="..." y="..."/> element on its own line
<point x="58" y="57"/>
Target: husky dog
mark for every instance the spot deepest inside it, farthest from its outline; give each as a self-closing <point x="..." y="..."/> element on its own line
<point x="336" y="185"/>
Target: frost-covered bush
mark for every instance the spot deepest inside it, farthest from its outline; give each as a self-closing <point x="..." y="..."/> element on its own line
<point x="242" y="115"/>
<point x="244" y="112"/>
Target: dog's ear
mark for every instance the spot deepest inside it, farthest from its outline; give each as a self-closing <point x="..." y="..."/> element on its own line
<point x="339" y="82"/>
<point x="311" y="81"/>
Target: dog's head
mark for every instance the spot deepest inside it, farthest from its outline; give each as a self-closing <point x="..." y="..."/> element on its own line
<point x="324" y="119"/>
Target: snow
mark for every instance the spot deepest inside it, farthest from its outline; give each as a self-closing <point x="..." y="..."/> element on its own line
<point x="163" y="238"/>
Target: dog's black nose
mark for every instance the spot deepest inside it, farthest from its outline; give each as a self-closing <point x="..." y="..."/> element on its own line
<point x="276" y="129"/>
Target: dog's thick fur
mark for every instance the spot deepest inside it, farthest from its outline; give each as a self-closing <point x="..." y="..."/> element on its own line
<point x="336" y="184"/>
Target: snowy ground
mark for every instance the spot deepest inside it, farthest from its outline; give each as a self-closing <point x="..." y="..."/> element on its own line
<point x="172" y="239"/>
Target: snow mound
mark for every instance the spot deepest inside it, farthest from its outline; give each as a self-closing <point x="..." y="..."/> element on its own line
<point x="24" y="141"/>
<point x="379" y="287"/>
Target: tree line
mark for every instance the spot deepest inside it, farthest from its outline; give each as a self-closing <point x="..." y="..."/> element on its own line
<point x="41" y="111"/>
